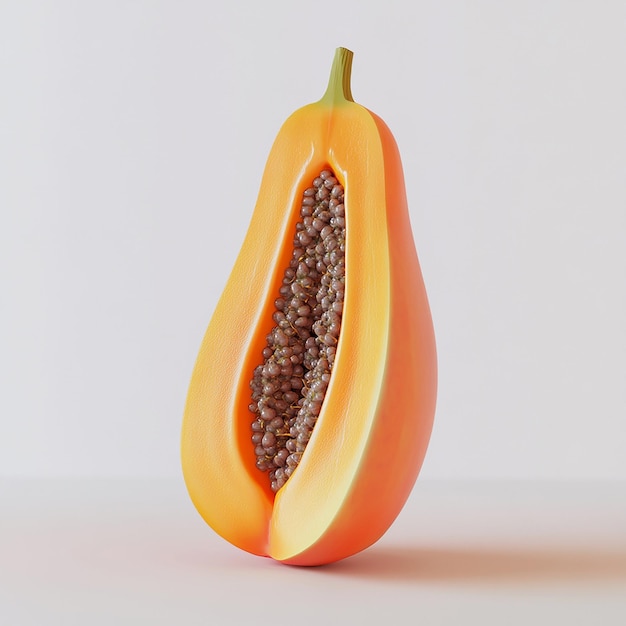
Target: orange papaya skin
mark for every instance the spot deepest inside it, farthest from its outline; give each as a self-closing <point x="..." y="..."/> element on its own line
<point x="372" y="434"/>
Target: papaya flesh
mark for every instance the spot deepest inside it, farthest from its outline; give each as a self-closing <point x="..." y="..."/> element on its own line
<point x="372" y="432"/>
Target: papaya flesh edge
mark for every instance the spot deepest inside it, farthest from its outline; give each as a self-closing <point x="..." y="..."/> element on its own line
<point x="373" y="430"/>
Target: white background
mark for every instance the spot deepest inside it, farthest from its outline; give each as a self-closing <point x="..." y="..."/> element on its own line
<point x="133" y="136"/>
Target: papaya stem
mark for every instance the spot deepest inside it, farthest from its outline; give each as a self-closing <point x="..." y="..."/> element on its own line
<point x="339" y="82"/>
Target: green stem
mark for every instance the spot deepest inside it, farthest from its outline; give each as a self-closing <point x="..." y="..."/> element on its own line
<point x="338" y="89"/>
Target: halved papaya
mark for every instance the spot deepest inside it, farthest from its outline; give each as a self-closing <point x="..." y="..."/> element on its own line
<point x="375" y="421"/>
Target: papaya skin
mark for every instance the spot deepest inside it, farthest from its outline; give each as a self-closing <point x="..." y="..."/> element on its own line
<point x="372" y="433"/>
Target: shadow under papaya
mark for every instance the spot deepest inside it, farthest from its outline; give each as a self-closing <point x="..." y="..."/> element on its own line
<point x="478" y="565"/>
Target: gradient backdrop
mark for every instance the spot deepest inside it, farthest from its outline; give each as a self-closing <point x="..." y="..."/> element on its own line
<point x="133" y="136"/>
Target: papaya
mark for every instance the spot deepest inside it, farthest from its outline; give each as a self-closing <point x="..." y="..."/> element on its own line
<point x="312" y="398"/>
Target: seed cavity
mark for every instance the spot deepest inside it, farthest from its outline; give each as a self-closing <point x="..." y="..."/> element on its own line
<point x="288" y="387"/>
